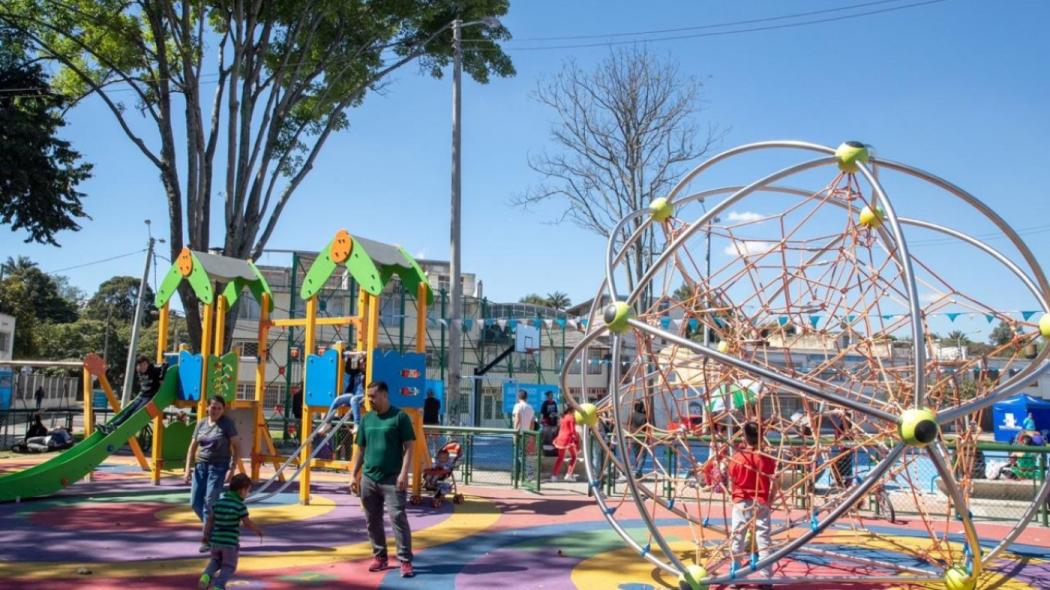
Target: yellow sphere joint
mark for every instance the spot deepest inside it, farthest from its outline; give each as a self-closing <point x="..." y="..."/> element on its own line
<point x="661" y="209"/>
<point x="693" y="578"/>
<point x="957" y="578"/>
<point x="918" y="427"/>
<point x="872" y="218"/>
<point x="586" y="414"/>
<point x="616" y="316"/>
<point x="723" y="346"/>
<point x="850" y="154"/>
<point x="1044" y="325"/>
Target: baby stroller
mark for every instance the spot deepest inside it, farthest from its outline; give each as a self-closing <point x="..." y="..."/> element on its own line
<point x="441" y="477"/>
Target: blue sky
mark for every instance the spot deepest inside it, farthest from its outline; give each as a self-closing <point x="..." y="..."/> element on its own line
<point x="958" y="87"/>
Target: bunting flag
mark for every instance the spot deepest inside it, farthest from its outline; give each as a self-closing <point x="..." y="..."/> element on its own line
<point x="782" y="320"/>
<point x="720" y="322"/>
<point x="481" y="323"/>
<point x="952" y="316"/>
<point x="887" y="316"/>
<point x="678" y="322"/>
<point x="989" y="317"/>
<point x="585" y="322"/>
<point x="537" y="323"/>
<point x="665" y="322"/>
<point x="548" y="323"/>
<point x="850" y="318"/>
<point x="467" y="325"/>
<point x="1028" y="314"/>
<point x="502" y="324"/>
<point x="814" y="320"/>
<point x="693" y="324"/>
<point x="512" y="324"/>
<point x="561" y="322"/>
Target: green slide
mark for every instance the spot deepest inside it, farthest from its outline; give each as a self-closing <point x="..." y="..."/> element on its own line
<point x="74" y="464"/>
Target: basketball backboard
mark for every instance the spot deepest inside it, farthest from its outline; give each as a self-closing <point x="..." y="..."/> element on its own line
<point x="526" y="338"/>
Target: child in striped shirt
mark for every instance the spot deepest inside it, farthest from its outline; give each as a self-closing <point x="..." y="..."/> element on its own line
<point x="223" y="533"/>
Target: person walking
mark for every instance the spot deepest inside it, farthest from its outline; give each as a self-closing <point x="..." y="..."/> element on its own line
<point x="38" y="395"/>
<point x="567" y="442"/>
<point x="210" y="458"/>
<point x="380" y="476"/>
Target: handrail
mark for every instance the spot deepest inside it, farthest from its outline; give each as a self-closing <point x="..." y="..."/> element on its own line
<point x="42" y="364"/>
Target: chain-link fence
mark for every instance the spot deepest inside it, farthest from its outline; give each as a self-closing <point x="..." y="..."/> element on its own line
<point x="492" y="456"/>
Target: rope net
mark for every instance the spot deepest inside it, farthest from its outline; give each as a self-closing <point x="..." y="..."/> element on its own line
<point x="808" y="291"/>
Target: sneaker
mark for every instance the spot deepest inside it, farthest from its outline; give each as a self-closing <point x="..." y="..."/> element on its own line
<point x="204" y="548"/>
<point x="378" y="564"/>
<point x="406" y="569"/>
<point x="204" y="582"/>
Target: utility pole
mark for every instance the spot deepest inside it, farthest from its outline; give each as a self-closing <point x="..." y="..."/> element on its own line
<point x="455" y="325"/>
<point x="129" y="367"/>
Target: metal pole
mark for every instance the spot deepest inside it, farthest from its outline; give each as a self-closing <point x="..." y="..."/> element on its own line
<point x="135" y="329"/>
<point x="455" y="335"/>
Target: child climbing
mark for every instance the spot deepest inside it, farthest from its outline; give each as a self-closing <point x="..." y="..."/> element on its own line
<point x="353" y="397"/>
<point x="223" y="534"/>
<point x="751" y="478"/>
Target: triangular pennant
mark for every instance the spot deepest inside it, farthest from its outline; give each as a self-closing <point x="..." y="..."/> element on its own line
<point x="720" y="322"/>
<point x="468" y="324"/>
<point x="575" y="324"/>
<point x="665" y="322"/>
<point x="887" y="316"/>
<point x="952" y="316"/>
<point x="548" y="323"/>
<point x="693" y="324"/>
<point x="502" y="324"/>
<point x="512" y="324"/>
<point x="782" y="320"/>
<point x="1028" y="314"/>
<point x="678" y="322"/>
<point x="561" y="322"/>
<point x="850" y="318"/>
<point x="584" y="323"/>
<point x="481" y="323"/>
<point x="814" y="320"/>
<point x="989" y="317"/>
<point x="537" y="323"/>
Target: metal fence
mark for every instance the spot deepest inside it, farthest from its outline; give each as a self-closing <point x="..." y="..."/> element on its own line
<point x="1005" y="480"/>
<point x="492" y="456"/>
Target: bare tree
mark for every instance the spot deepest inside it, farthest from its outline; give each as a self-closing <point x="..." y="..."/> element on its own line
<point x="624" y="133"/>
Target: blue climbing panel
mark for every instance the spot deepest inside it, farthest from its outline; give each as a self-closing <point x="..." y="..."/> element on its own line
<point x="321" y="373"/>
<point x="405" y="375"/>
<point x="190" y="367"/>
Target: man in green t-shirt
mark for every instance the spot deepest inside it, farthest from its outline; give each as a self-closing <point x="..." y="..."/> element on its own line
<point x="385" y="438"/>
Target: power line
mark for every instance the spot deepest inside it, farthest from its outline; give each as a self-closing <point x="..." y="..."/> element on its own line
<point x="97" y="261"/>
<point x="722" y="33"/>
<point x="701" y="27"/>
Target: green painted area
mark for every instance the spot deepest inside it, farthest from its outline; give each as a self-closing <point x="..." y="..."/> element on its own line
<point x="200" y="282"/>
<point x="259" y="286"/>
<point x="318" y="274"/>
<point x="168" y="286"/>
<point x="176" y="441"/>
<point x="310" y="579"/>
<point x="74" y="464"/>
<point x="585" y="544"/>
<point x="364" y="271"/>
<point x="222" y="376"/>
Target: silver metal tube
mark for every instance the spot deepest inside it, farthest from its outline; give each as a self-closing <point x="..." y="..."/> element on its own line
<point x="42" y="364"/>
<point x="136" y="329"/>
<point x="936" y="453"/>
<point x="455" y="327"/>
<point x="918" y="338"/>
<point x="863" y="560"/>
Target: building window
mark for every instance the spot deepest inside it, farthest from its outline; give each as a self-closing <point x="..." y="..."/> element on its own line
<point x="249" y="349"/>
<point x="248" y="310"/>
<point x="5" y="342"/>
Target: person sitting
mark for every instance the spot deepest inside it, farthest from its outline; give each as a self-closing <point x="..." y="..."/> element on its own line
<point x="1020" y="465"/>
<point x="353" y="398"/>
<point x="149" y="379"/>
<point x="441" y="469"/>
<point x="37" y="428"/>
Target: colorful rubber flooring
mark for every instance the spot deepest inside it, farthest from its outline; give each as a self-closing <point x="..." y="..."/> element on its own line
<point x="120" y="532"/>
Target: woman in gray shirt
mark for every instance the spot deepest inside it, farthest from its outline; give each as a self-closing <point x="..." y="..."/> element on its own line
<point x="209" y="461"/>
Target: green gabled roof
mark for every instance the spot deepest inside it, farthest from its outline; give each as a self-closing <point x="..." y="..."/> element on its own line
<point x="201" y="270"/>
<point x="371" y="263"/>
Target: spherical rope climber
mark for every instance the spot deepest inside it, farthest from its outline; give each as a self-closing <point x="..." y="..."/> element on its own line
<point x="812" y="330"/>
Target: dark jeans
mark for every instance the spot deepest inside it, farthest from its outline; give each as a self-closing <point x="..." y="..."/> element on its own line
<point x="374" y="496"/>
<point x="136" y="404"/>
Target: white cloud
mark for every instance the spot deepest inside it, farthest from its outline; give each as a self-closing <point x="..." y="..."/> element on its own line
<point x="749" y="248"/>
<point x="745" y="216"/>
<point x="422" y="254"/>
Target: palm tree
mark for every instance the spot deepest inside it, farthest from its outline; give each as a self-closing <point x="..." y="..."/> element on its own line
<point x="14" y="264"/>
<point x="958" y="336"/>
<point x="533" y="299"/>
<point x="558" y="300"/>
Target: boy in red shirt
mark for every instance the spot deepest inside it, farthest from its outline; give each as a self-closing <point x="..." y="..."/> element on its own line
<point x="751" y="477"/>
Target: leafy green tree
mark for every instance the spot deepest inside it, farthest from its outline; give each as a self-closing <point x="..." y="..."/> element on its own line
<point x="33" y="298"/>
<point x="558" y="300"/>
<point x="115" y="301"/>
<point x="39" y="173"/>
<point x="1002" y="334"/>
<point x="534" y="299"/>
<point x="246" y="94"/>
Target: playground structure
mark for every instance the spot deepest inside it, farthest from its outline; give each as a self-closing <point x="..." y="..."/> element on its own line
<point x="372" y="265"/>
<point x="821" y="309"/>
